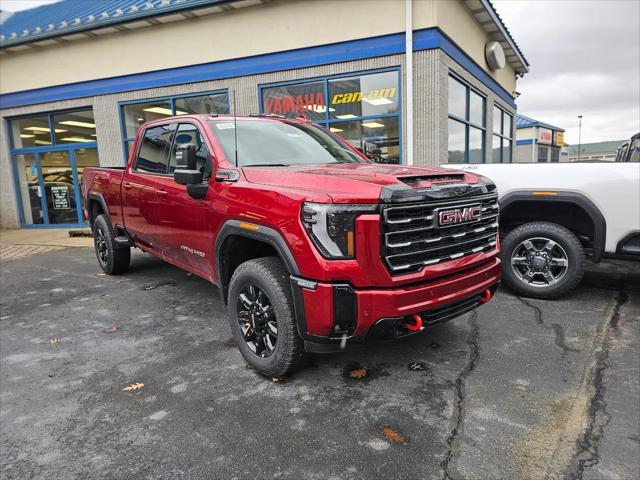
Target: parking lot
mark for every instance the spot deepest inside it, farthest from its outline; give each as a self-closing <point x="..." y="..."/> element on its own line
<point x="519" y="389"/>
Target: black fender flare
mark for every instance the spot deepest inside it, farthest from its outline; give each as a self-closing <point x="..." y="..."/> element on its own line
<point x="575" y="198"/>
<point x="97" y="196"/>
<point x="262" y="233"/>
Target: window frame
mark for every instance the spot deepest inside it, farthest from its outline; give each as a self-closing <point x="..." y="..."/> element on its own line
<point x="328" y="122"/>
<point x="501" y="134"/>
<point x="468" y="124"/>
<point x="171" y="99"/>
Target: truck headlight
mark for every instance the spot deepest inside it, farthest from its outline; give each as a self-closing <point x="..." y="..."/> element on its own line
<point x="331" y="227"/>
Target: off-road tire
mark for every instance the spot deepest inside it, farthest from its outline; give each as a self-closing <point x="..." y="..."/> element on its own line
<point x="270" y="275"/>
<point x="117" y="259"/>
<point x="559" y="234"/>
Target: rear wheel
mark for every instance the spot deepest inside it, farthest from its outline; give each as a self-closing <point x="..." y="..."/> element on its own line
<point x="111" y="258"/>
<point x="262" y="317"/>
<point x="542" y="260"/>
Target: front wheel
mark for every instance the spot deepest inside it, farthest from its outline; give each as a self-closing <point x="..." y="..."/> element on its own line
<point x="542" y="260"/>
<point x="262" y="317"/>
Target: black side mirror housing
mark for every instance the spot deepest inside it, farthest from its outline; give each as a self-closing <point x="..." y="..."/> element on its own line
<point x="186" y="172"/>
<point x="187" y="177"/>
<point x="186" y="155"/>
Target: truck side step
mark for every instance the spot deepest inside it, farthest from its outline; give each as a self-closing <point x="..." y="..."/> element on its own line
<point x="122" y="241"/>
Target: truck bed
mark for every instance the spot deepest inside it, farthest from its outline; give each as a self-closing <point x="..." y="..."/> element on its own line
<point x="103" y="185"/>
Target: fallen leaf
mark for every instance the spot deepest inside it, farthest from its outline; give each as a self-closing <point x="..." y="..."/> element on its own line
<point x="101" y="274"/>
<point x="133" y="387"/>
<point x="54" y="341"/>
<point x="416" y="366"/>
<point x="358" y="373"/>
<point x="248" y="366"/>
<point x="393" y="435"/>
<point x="278" y="379"/>
<point x="230" y="343"/>
<point x="112" y="329"/>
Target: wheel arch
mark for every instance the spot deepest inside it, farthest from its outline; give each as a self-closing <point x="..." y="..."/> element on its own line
<point x="237" y="243"/>
<point x="96" y="205"/>
<point x="572" y="210"/>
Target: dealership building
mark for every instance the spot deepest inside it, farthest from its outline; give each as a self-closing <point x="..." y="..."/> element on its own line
<point x="539" y="142"/>
<point x="77" y="79"/>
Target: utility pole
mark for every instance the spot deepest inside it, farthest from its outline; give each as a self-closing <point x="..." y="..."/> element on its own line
<point x="579" y="135"/>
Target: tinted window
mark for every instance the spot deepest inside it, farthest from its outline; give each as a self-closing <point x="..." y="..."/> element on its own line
<point x="457" y="98"/>
<point x="74" y="127"/>
<point x="363" y="96"/>
<point x="294" y="100"/>
<point x="156" y="143"/>
<point x="205" y="104"/>
<point x="189" y="134"/>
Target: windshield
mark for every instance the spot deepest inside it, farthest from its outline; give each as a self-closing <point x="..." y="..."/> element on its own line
<point x="274" y="143"/>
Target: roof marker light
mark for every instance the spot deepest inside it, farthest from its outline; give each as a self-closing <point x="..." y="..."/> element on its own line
<point x="542" y="194"/>
<point x="249" y="226"/>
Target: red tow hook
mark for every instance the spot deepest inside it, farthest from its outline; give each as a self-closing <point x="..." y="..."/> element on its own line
<point x="414" y="327"/>
<point x="486" y="296"/>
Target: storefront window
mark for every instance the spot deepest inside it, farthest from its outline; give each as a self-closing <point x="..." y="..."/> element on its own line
<point x="139" y="113"/>
<point x="466" y="124"/>
<point x="217" y="103"/>
<point x="31" y="132"/>
<point x="294" y="100"/>
<point x="74" y="127"/>
<point x="48" y="175"/>
<point x="502" y="138"/>
<point x="377" y="138"/>
<point x="363" y="96"/>
<point x="135" y="114"/>
<point x="362" y="109"/>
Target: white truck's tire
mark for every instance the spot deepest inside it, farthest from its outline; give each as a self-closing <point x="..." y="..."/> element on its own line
<point x="542" y="260"/>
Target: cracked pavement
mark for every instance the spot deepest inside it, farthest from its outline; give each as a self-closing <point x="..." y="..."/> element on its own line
<point x="518" y="389"/>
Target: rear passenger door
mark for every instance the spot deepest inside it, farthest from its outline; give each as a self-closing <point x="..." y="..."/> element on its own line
<point x="187" y="238"/>
<point x="139" y="185"/>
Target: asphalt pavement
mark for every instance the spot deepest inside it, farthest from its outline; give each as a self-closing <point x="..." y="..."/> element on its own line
<point x="518" y="389"/>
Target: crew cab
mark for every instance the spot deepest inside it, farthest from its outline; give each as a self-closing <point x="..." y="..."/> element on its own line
<point x="555" y="216"/>
<point x="312" y="246"/>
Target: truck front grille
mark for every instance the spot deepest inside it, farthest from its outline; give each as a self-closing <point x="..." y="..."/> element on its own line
<point x="412" y="239"/>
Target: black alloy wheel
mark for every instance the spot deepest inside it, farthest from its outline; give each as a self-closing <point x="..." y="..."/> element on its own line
<point x="101" y="246"/>
<point x="257" y="321"/>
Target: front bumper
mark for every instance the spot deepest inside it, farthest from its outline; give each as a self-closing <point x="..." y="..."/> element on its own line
<point x="328" y="314"/>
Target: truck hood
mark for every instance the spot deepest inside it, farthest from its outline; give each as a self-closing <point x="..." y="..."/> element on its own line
<point x="357" y="182"/>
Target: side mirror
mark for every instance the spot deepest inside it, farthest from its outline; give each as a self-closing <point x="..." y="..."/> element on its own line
<point x="186" y="155"/>
<point x="186" y="172"/>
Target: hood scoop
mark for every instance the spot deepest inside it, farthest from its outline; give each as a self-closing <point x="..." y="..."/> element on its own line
<point x="416" y="181"/>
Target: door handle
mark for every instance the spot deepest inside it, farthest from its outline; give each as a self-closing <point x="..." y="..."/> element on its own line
<point x="127" y="185"/>
<point x="162" y="192"/>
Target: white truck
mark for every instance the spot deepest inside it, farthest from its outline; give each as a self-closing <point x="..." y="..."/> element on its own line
<point x="554" y="216"/>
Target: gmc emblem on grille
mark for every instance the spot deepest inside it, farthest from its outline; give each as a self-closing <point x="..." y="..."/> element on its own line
<point x="454" y="216"/>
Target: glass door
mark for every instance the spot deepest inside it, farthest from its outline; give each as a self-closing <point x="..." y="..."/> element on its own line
<point x="30" y="188"/>
<point x="59" y="182"/>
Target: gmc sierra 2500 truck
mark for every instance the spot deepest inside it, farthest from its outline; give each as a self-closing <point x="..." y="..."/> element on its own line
<point x="312" y="246"/>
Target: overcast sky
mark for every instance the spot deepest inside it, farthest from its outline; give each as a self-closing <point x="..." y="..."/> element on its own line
<point x="584" y="56"/>
<point x="585" y="59"/>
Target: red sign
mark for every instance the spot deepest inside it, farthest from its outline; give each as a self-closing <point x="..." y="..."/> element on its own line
<point x="295" y="104"/>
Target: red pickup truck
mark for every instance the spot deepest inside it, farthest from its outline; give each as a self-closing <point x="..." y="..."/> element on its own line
<point x="312" y="246"/>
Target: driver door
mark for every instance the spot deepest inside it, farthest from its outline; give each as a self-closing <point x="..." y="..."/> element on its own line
<point x="187" y="238"/>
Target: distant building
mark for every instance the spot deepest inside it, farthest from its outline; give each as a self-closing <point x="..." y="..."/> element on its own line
<point x="595" y="151"/>
<point x="538" y="142"/>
